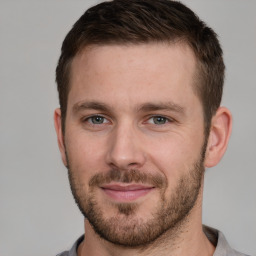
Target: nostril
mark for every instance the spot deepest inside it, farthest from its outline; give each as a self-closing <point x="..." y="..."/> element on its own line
<point x="132" y="164"/>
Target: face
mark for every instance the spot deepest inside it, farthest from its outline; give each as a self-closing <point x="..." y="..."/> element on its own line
<point x="134" y="139"/>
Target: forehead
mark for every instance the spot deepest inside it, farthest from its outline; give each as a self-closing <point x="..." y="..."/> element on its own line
<point x="154" y="55"/>
<point x="133" y="72"/>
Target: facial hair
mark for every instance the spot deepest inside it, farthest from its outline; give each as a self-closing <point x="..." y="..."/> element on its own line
<point x="125" y="228"/>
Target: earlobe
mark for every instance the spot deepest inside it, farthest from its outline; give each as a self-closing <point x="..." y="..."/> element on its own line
<point x="220" y="131"/>
<point x="60" y="137"/>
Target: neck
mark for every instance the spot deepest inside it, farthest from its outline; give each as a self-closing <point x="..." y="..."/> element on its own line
<point x="187" y="238"/>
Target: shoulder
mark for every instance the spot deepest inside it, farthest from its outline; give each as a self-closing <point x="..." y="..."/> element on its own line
<point x="72" y="251"/>
<point x="66" y="253"/>
<point x="217" y="238"/>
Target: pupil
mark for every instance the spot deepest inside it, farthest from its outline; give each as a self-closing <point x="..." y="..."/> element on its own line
<point x="159" y="120"/>
<point x="97" y="120"/>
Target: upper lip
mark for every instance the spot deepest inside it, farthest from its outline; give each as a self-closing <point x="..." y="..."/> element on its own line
<point x="126" y="187"/>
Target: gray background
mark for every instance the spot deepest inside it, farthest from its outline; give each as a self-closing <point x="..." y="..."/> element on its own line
<point x="37" y="214"/>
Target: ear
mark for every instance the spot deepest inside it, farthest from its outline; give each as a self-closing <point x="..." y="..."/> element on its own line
<point x="220" y="131"/>
<point x="60" y="137"/>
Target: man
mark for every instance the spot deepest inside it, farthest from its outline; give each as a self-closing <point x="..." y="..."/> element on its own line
<point x="140" y="85"/>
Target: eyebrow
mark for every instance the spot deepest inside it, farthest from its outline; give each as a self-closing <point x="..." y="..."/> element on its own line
<point x="90" y="105"/>
<point x="169" y="106"/>
<point x="146" y="107"/>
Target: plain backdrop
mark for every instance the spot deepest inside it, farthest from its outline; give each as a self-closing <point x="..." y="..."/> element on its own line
<point x="38" y="216"/>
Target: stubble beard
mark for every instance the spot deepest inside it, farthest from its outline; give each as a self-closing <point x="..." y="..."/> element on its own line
<point x="124" y="228"/>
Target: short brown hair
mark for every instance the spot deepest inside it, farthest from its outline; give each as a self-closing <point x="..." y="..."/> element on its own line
<point x="146" y="21"/>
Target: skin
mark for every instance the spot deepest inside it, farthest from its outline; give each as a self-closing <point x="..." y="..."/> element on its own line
<point x="126" y="80"/>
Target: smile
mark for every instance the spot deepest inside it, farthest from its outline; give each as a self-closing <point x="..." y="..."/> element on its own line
<point x="126" y="193"/>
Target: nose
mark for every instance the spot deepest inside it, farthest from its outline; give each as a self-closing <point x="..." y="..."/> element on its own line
<point x="125" y="149"/>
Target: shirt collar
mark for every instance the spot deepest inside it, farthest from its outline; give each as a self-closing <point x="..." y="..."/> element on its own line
<point x="215" y="237"/>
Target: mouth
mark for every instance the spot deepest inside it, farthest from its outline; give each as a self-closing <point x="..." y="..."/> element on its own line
<point x="126" y="192"/>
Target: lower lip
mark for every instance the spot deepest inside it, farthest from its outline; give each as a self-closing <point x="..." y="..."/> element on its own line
<point x="126" y="196"/>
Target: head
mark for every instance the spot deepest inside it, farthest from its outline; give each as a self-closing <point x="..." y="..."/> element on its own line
<point x="140" y="84"/>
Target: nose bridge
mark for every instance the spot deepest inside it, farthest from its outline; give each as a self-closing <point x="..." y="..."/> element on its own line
<point x="125" y="148"/>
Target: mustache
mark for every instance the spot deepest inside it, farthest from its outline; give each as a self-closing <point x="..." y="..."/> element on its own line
<point x="128" y="176"/>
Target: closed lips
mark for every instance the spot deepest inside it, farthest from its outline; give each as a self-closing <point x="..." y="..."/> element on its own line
<point x="126" y="192"/>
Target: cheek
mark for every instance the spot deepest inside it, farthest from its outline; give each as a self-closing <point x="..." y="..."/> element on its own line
<point x="85" y="154"/>
<point x="174" y="156"/>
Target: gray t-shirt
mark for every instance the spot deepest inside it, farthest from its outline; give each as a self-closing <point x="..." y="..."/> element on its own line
<point x="214" y="236"/>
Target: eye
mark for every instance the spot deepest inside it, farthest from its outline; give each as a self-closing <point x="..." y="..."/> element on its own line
<point x="158" y="120"/>
<point x="97" y="120"/>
